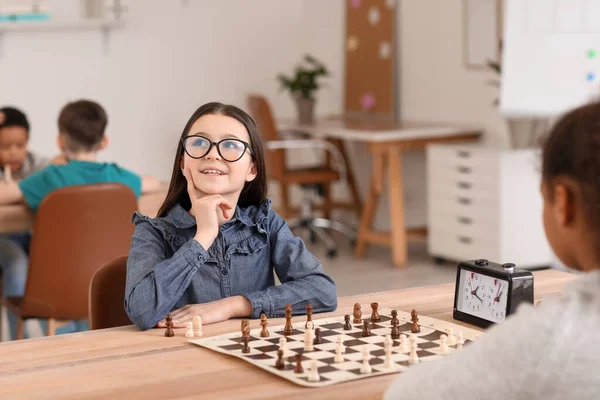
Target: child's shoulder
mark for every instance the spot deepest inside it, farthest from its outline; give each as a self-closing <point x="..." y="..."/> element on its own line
<point x="256" y="215"/>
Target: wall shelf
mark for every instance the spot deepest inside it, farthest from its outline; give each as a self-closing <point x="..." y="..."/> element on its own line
<point x="48" y="26"/>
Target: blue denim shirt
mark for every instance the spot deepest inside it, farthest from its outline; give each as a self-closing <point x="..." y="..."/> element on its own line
<point x="168" y="269"/>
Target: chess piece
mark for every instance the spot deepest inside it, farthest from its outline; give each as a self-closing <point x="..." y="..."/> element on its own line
<point x="395" y="331"/>
<point x="244" y="324"/>
<point x="317" y="339"/>
<point x="388" y="343"/>
<point x="310" y="325"/>
<point x="283" y="347"/>
<point x="357" y="314"/>
<point x="313" y="374"/>
<point x="415" y="320"/>
<point x="460" y="341"/>
<point x="340" y="342"/>
<point x="413" y="357"/>
<point x="288" y="329"/>
<point x="169" y="322"/>
<point x="263" y="323"/>
<point x="451" y="337"/>
<point x="279" y="364"/>
<point x="375" y="314"/>
<point x="189" y="333"/>
<point x="395" y="319"/>
<point x="298" y="369"/>
<point x="246" y="330"/>
<point x="308" y="339"/>
<point x="309" y="311"/>
<point x="338" y="354"/>
<point x="366" y="367"/>
<point x="245" y="341"/>
<point x="403" y="348"/>
<point x="347" y="325"/>
<point x="197" y="325"/>
<point x="366" y="331"/>
<point x="443" y="344"/>
<point x="7" y="174"/>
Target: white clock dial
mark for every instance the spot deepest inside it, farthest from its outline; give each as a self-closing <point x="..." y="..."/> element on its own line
<point x="497" y="299"/>
<point x="482" y="296"/>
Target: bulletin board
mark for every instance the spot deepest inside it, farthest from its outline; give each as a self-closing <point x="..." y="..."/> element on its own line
<point x="371" y="85"/>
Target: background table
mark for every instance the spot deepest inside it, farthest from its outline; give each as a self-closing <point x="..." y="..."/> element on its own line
<point x="126" y="363"/>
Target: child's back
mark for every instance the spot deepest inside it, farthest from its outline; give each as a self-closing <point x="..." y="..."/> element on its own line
<point x="552" y="351"/>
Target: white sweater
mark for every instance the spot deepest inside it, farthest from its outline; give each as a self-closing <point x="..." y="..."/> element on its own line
<point x="548" y="352"/>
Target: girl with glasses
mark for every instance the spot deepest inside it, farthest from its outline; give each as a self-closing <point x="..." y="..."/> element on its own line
<point x="216" y="244"/>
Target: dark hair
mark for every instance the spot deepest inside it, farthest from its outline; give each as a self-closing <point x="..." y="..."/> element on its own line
<point x="14" y="117"/>
<point x="83" y="123"/>
<point x="253" y="193"/>
<point x="572" y="150"/>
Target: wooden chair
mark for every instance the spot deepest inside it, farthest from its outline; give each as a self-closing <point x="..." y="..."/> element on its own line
<point x="321" y="176"/>
<point x="278" y="171"/>
<point x="77" y="229"/>
<point x="107" y="296"/>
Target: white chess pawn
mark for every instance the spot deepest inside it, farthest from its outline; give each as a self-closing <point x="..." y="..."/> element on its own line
<point x="461" y="341"/>
<point x="388" y="343"/>
<point x="451" y="337"/>
<point x="283" y="346"/>
<point x="308" y="339"/>
<point x="366" y="367"/>
<point x="190" y="330"/>
<point x="340" y="342"/>
<point x="413" y="357"/>
<point x="403" y="348"/>
<point x="310" y="325"/>
<point x="197" y="324"/>
<point x="7" y="174"/>
<point x="313" y="374"/>
<point x="339" y="358"/>
<point x="443" y="344"/>
<point x="413" y="340"/>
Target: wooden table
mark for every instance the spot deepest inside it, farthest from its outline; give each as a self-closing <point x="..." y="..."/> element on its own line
<point x="386" y="140"/>
<point x="126" y="363"/>
<point x="19" y="218"/>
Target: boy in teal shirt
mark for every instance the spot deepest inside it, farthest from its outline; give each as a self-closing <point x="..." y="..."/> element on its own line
<point x="81" y="126"/>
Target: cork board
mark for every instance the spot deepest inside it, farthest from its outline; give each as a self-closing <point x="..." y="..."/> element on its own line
<point x="371" y="84"/>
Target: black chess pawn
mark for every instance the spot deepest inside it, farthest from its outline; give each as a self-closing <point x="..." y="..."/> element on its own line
<point x="245" y="341"/>
<point x="279" y="364"/>
<point x="395" y="318"/>
<point x="298" y="369"/>
<point x="366" y="331"/>
<point x="347" y="324"/>
<point x="395" y="330"/>
<point x="317" y="339"/>
<point x="169" y="322"/>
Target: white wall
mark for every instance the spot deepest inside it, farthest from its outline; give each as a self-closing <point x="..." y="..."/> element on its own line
<point x="170" y="58"/>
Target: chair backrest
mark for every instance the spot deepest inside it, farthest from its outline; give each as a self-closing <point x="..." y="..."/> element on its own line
<point x="261" y="112"/>
<point x="107" y="295"/>
<point x="77" y="230"/>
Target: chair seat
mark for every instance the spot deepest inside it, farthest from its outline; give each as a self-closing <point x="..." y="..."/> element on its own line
<point x="13" y="303"/>
<point x="310" y="175"/>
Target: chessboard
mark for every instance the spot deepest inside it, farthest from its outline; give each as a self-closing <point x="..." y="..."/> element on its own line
<point x="263" y="350"/>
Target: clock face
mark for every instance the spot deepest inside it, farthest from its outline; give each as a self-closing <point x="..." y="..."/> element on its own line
<point x="482" y="296"/>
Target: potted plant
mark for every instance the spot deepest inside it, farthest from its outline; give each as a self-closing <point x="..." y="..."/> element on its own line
<point x="302" y="86"/>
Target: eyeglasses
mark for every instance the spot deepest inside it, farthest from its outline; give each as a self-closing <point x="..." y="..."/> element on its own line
<point x="231" y="150"/>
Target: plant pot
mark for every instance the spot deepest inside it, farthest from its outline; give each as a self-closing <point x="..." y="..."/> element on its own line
<point x="306" y="108"/>
<point x="526" y="132"/>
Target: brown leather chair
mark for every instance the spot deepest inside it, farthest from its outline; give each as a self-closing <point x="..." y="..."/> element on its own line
<point x="322" y="176"/>
<point x="107" y="296"/>
<point x="77" y="229"/>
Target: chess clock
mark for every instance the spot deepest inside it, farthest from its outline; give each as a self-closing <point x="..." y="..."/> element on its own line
<point x="487" y="292"/>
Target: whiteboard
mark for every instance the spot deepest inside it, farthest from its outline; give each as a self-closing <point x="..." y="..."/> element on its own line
<point x="551" y="59"/>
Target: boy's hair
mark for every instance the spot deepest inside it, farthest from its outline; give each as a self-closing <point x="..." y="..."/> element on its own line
<point x="14" y="117"/>
<point x="83" y="123"/>
<point x="572" y="150"/>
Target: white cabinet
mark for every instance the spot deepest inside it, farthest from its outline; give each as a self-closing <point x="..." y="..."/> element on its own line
<point x="485" y="203"/>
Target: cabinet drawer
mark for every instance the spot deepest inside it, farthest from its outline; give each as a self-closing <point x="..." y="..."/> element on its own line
<point x="464" y="207"/>
<point x="452" y="174"/>
<point x="465" y="226"/>
<point x="464" y="160"/>
<point x="461" y="247"/>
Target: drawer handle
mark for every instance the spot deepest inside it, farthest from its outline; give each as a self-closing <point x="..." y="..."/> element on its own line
<point x="464" y="185"/>
<point x="463" y="154"/>
<point x="465" y="240"/>
<point x="464" y="200"/>
<point x="464" y="170"/>
<point x="465" y="220"/>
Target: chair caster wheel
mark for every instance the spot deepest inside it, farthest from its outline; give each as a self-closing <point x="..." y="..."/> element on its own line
<point x="331" y="253"/>
<point x="439" y="260"/>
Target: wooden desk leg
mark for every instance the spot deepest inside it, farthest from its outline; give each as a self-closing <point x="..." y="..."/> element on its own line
<point x="368" y="211"/>
<point x="352" y="188"/>
<point x="396" y="188"/>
